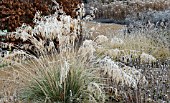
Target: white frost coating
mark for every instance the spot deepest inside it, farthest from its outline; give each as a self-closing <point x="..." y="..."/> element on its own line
<point x="116" y="41"/>
<point x="67" y="20"/>
<point x="112" y="70"/>
<point x="65" y="30"/>
<point x="138" y="77"/>
<point x="24" y="36"/>
<point x="113" y="52"/>
<point x="64" y="71"/>
<point x="126" y="75"/>
<point x="101" y="39"/>
<point x="147" y="58"/>
<point x="87" y="48"/>
<point x="16" y="56"/>
<point x="51" y="46"/>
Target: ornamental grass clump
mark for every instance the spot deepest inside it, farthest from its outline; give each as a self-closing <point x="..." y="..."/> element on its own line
<point x="59" y="78"/>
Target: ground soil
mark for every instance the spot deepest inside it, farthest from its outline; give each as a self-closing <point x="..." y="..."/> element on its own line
<point x="103" y="29"/>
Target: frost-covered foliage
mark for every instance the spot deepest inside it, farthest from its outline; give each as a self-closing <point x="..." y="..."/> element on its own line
<point x="15" y="56"/>
<point x="87" y="49"/>
<point x="119" y="10"/>
<point x="147" y="58"/>
<point x="152" y="42"/>
<point x="101" y="39"/>
<point x="113" y="52"/>
<point x="116" y="41"/>
<point x="130" y="47"/>
<point x="127" y="60"/>
<point x="124" y="75"/>
<point x="130" y="66"/>
<point x="51" y="33"/>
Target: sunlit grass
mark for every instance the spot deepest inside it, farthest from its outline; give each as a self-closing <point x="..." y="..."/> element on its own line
<point x="138" y="42"/>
